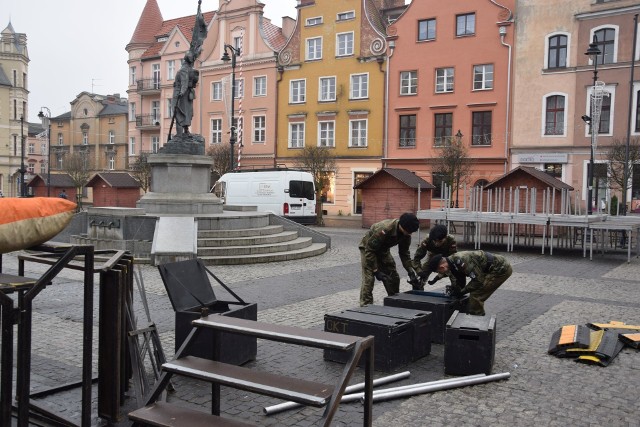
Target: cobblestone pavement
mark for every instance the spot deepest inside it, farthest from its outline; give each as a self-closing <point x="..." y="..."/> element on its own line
<point x="544" y="293"/>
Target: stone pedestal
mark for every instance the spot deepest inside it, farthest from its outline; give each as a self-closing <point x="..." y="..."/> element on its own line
<point x="180" y="185"/>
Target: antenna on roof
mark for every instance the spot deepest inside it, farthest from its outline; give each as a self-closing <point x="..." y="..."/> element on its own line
<point x="94" y="84"/>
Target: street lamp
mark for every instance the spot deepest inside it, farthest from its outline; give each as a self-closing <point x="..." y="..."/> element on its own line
<point x="225" y="58"/>
<point x="46" y="121"/>
<point x="459" y="142"/>
<point x="593" y="52"/>
<point x="22" y="169"/>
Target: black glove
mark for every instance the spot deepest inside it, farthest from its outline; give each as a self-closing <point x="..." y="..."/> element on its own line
<point x="424" y="274"/>
<point x="381" y="276"/>
<point x="433" y="281"/>
<point x="412" y="275"/>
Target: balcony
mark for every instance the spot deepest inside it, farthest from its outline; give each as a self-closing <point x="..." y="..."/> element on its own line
<point x="442" y="141"/>
<point x="148" y="86"/>
<point x="148" y="121"/>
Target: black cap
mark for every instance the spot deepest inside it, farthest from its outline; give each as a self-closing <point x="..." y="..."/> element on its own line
<point x="434" y="263"/>
<point x="409" y="222"/>
<point x="438" y="232"/>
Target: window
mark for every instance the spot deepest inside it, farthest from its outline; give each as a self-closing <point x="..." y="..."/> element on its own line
<point x="171" y="70"/>
<point x="15" y="78"/>
<point x="481" y="131"/>
<point x="466" y="24"/>
<point x="237" y="43"/>
<point x="155" y="72"/>
<point x="444" y="80"/>
<point x="43" y="148"/>
<point x="296" y="135"/>
<point x="637" y="111"/>
<point x="408" y="82"/>
<point x="112" y="163"/>
<point x="32" y="148"/>
<point x="216" y="91"/>
<point x="314" y="49"/>
<point x="132" y="111"/>
<point x="606" y="43"/>
<point x="132" y="145"/>
<point x="557" y="56"/>
<point x="169" y="108"/>
<point x="359" y="86"/>
<point x="259" y="129"/>
<point x="301" y="189"/>
<point x="344" y="44"/>
<point x="327" y="193"/>
<point x="554" y="115"/>
<point x="60" y="139"/>
<point x="60" y="158"/>
<point x="553" y="169"/>
<point x="326" y="134"/>
<point x="408" y="130"/>
<point x="357" y="133"/>
<point x="260" y="86"/>
<point x="85" y="138"/>
<point x="112" y="137"/>
<point x="132" y="76"/>
<point x="216" y="131"/>
<point x="239" y="89"/>
<point x="427" y="29"/>
<point x="605" y="115"/>
<point x="443" y="130"/>
<point x="297" y="91"/>
<point x="437" y="179"/>
<point x="346" y="15"/>
<point x="317" y="20"/>
<point x="155" y="143"/>
<point x="483" y="77"/>
<point x="155" y="112"/>
<point x="43" y="167"/>
<point x="327" y="89"/>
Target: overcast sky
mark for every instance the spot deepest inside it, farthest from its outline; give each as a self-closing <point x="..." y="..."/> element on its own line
<point x="78" y="45"/>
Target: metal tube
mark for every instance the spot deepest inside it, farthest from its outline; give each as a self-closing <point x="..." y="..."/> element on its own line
<point x="274" y="409"/>
<point x="428" y="388"/>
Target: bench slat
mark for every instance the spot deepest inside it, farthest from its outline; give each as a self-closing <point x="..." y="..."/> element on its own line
<point x="297" y="390"/>
<point x="282" y="333"/>
<point x="167" y="415"/>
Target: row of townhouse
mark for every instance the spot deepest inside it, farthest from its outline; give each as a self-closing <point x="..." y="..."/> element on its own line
<point x="384" y="84"/>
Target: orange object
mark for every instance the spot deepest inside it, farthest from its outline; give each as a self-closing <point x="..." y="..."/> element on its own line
<point x="31" y="221"/>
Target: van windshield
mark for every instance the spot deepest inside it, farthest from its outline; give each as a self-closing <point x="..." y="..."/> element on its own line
<point x="302" y="189"/>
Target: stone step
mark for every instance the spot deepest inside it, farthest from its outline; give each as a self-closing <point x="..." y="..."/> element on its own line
<point x="309" y="251"/>
<point x="244" y="232"/>
<point x="269" y="239"/>
<point x="291" y="245"/>
<point x="231" y="221"/>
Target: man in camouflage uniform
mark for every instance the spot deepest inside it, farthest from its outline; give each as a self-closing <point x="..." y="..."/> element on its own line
<point x="437" y="242"/>
<point x="375" y="254"/>
<point x="486" y="270"/>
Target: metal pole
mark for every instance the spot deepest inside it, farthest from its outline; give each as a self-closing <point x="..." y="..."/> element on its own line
<point x="626" y="151"/>
<point x="274" y="409"/>
<point x="593" y="134"/>
<point x="427" y="388"/>
<point x="49" y="160"/>
<point x="22" y="170"/>
<point x="232" y="138"/>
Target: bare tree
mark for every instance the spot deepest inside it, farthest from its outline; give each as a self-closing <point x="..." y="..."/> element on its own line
<point x="320" y="162"/>
<point x="453" y="165"/>
<point x="141" y="171"/>
<point x="78" y="166"/>
<point x="221" y="158"/>
<point x="616" y="155"/>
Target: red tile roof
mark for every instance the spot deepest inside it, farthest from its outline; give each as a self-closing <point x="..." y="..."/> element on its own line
<point x="273" y="35"/>
<point x="149" y="23"/>
<point x="184" y="24"/>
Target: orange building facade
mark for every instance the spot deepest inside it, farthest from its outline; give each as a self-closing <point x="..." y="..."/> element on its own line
<point x="449" y="77"/>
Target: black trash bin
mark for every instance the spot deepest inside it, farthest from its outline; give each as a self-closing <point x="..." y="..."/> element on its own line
<point x="189" y="289"/>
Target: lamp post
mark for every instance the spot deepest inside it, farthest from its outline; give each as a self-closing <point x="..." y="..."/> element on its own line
<point x="459" y="142"/>
<point x="22" y="169"/>
<point x="225" y="58"/>
<point x="46" y="121"/>
<point x="593" y="52"/>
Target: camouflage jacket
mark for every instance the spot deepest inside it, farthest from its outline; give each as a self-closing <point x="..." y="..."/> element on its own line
<point x="429" y="247"/>
<point x="474" y="264"/>
<point x="381" y="237"/>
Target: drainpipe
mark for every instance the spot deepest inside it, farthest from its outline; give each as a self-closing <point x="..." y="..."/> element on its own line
<point x="392" y="46"/>
<point x="503" y="33"/>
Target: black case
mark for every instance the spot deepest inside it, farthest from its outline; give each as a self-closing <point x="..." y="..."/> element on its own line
<point x="393" y="341"/>
<point x="420" y="322"/>
<point x="470" y="344"/>
<point x="440" y="305"/>
<point x="187" y="284"/>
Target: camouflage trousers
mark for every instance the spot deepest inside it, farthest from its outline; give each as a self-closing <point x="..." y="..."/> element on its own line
<point x="481" y="291"/>
<point x="387" y="265"/>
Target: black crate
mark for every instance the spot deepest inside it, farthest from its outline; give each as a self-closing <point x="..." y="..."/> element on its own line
<point x="440" y="305"/>
<point x="187" y="284"/>
<point x="470" y="344"/>
<point x="420" y="324"/>
<point x="393" y="339"/>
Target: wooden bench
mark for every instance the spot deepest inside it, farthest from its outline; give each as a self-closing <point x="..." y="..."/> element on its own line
<point x="294" y="389"/>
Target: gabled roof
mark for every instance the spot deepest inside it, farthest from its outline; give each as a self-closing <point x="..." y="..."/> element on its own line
<point x="184" y="24"/>
<point x="57" y="180"/>
<point x="535" y="173"/>
<point x="113" y="109"/>
<point x="375" y="17"/>
<point x="35" y="128"/>
<point x="115" y="180"/>
<point x="272" y="34"/>
<point x="148" y="25"/>
<point x="405" y="176"/>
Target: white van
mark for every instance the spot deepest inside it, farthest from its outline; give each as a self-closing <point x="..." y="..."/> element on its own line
<point x="288" y="193"/>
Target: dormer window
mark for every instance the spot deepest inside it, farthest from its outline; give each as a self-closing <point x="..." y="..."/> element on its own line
<point x="162" y="39"/>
